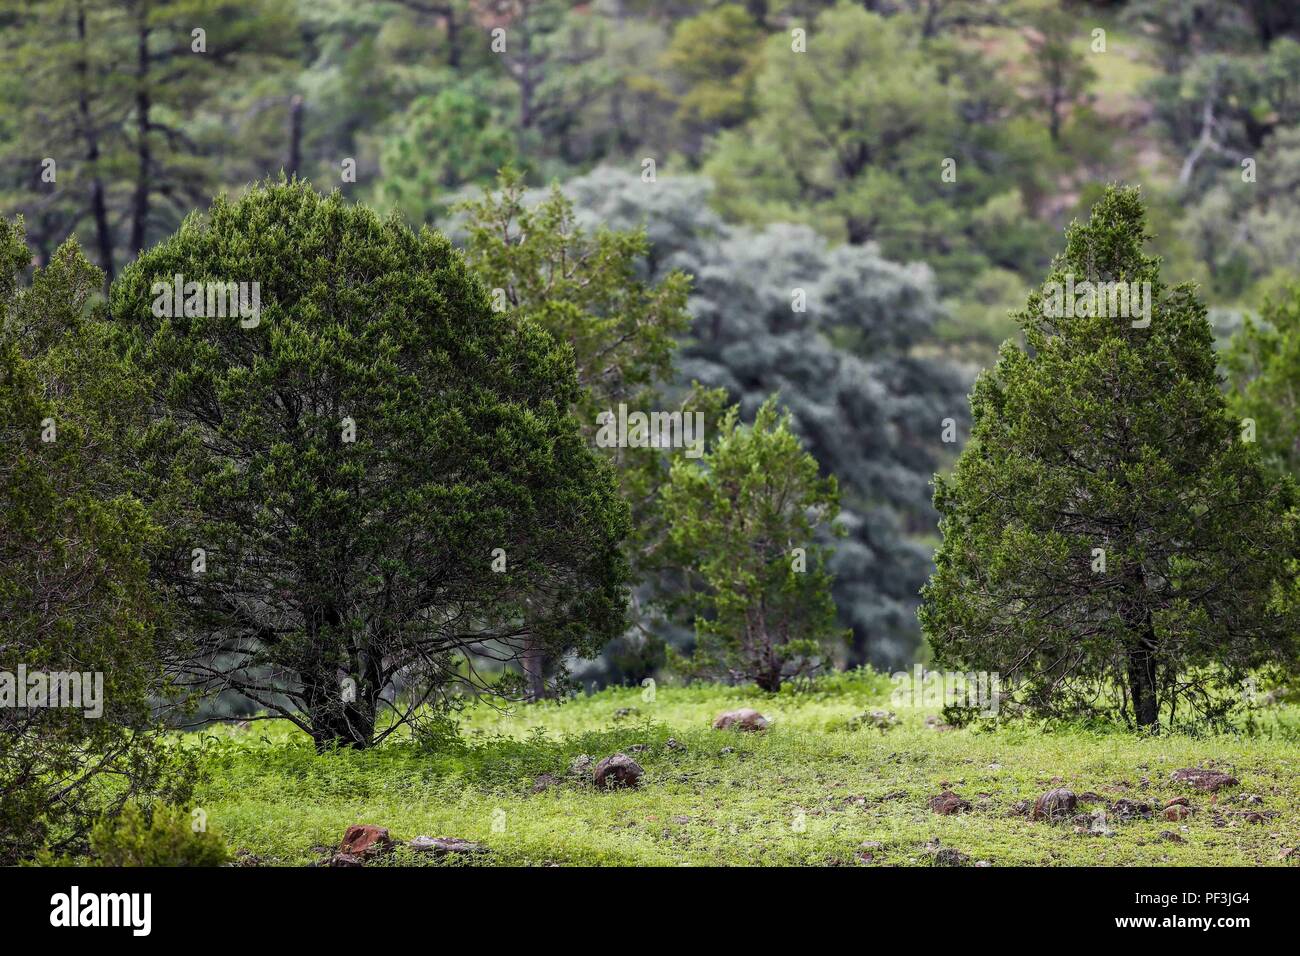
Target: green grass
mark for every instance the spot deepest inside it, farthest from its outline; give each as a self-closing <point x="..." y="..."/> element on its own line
<point x="807" y="791"/>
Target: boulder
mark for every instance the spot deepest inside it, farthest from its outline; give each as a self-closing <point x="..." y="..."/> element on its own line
<point x="1055" y="804"/>
<point x="618" y="770"/>
<point x="743" y="719"/>
<point x="364" y="840"/>
<point x="1207" y="780"/>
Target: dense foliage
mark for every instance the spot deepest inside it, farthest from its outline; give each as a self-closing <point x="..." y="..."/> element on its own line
<point x="1108" y="537"/>
<point x="375" y="479"/>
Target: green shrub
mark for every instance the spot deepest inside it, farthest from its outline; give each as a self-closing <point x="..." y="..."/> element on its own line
<point x="160" y="836"/>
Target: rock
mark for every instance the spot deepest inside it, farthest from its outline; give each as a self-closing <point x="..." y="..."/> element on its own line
<point x="344" y="859"/>
<point x="882" y="720"/>
<point x="365" y="840"/>
<point x="1125" y="809"/>
<point x="871" y="845"/>
<point x="1255" y="818"/>
<point x="618" y="770"/>
<point x="1177" y="812"/>
<point x="1172" y="837"/>
<point x="639" y="748"/>
<point x="937" y="723"/>
<point x="982" y="863"/>
<point x="1207" y="780"/>
<point x="624" y="712"/>
<point x="1055" y="804"/>
<point x="726" y="750"/>
<point x="1021" y="808"/>
<point x="580" y="765"/>
<point x="1289" y="853"/>
<point x="544" y="781"/>
<point x="246" y="857"/>
<point x="445" y="846"/>
<point x="672" y="743"/>
<point x="1178" y="801"/>
<point x="743" y="719"/>
<point x="1088" y="796"/>
<point x="948" y="803"/>
<point x="947" y="856"/>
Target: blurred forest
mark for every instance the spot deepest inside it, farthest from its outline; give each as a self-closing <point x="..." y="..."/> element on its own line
<point x="910" y="175"/>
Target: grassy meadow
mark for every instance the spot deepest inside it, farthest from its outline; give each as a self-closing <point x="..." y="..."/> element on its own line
<point x="808" y="791"/>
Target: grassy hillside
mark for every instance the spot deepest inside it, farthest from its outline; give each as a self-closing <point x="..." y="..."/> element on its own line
<point x="809" y="790"/>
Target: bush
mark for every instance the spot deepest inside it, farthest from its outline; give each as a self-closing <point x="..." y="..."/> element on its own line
<point x="160" y="836"/>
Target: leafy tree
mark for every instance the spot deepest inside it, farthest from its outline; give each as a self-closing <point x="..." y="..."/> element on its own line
<point x="743" y="522"/>
<point x="1062" y="75"/>
<point x="1264" y="372"/>
<point x="586" y="289"/>
<point x="382" y="474"/>
<point x="74" y="588"/>
<point x="716" y="55"/>
<point x="1104" y="530"/>
<point x="848" y="361"/>
<point x="443" y="142"/>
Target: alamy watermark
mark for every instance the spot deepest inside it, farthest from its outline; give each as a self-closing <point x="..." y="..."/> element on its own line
<point x="653" y="430"/>
<point x="76" y="690"/>
<point x="978" y="690"/>
<point x="1122" y="300"/>
<point x="212" y="300"/>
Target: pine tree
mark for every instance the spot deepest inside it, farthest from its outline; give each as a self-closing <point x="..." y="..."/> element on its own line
<point x="1108" y="539"/>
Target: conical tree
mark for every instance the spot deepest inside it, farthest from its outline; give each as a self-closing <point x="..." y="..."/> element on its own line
<point x="1109" y="540"/>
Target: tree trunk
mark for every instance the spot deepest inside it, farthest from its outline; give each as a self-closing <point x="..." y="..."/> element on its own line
<point x="534" y="662"/>
<point x="98" y="207"/>
<point x="144" y="157"/>
<point x="1142" y="680"/>
<point x="294" y="161"/>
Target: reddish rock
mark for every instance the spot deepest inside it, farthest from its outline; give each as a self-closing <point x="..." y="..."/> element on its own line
<point x="1207" y="780"/>
<point x="1055" y="804"/>
<point x="743" y="719"/>
<point x="364" y="839"/>
<point x="948" y="803"/>
<point x="1178" y="802"/>
<point x="1177" y="812"/>
<point x="618" y="770"/>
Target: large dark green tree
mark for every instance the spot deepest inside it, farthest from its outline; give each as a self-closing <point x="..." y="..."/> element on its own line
<point x="74" y="589"/>
<point x="1108" y="538"/>
<point x="375" y="485"/>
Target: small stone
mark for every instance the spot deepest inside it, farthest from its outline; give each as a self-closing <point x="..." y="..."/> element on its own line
<point x="1202" y="779"/>
<point x="1172" y="837"/>
<point x="948" y="803"/>
<point x="618" y="770"/>
<point x="580" y="765"/>
<point x="1177" y="812"/>
<point x="444" y="846"/>
<point x="744" y="719"/>
<point x="1055" y="804"/>
<point x="365" y="840"/>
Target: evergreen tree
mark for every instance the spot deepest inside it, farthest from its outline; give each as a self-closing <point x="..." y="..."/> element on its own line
<point x="1106" y="531"/>
<point x="743" y="524"/>
<point x="75" y="596"/>
<point x="373" y="479"/>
